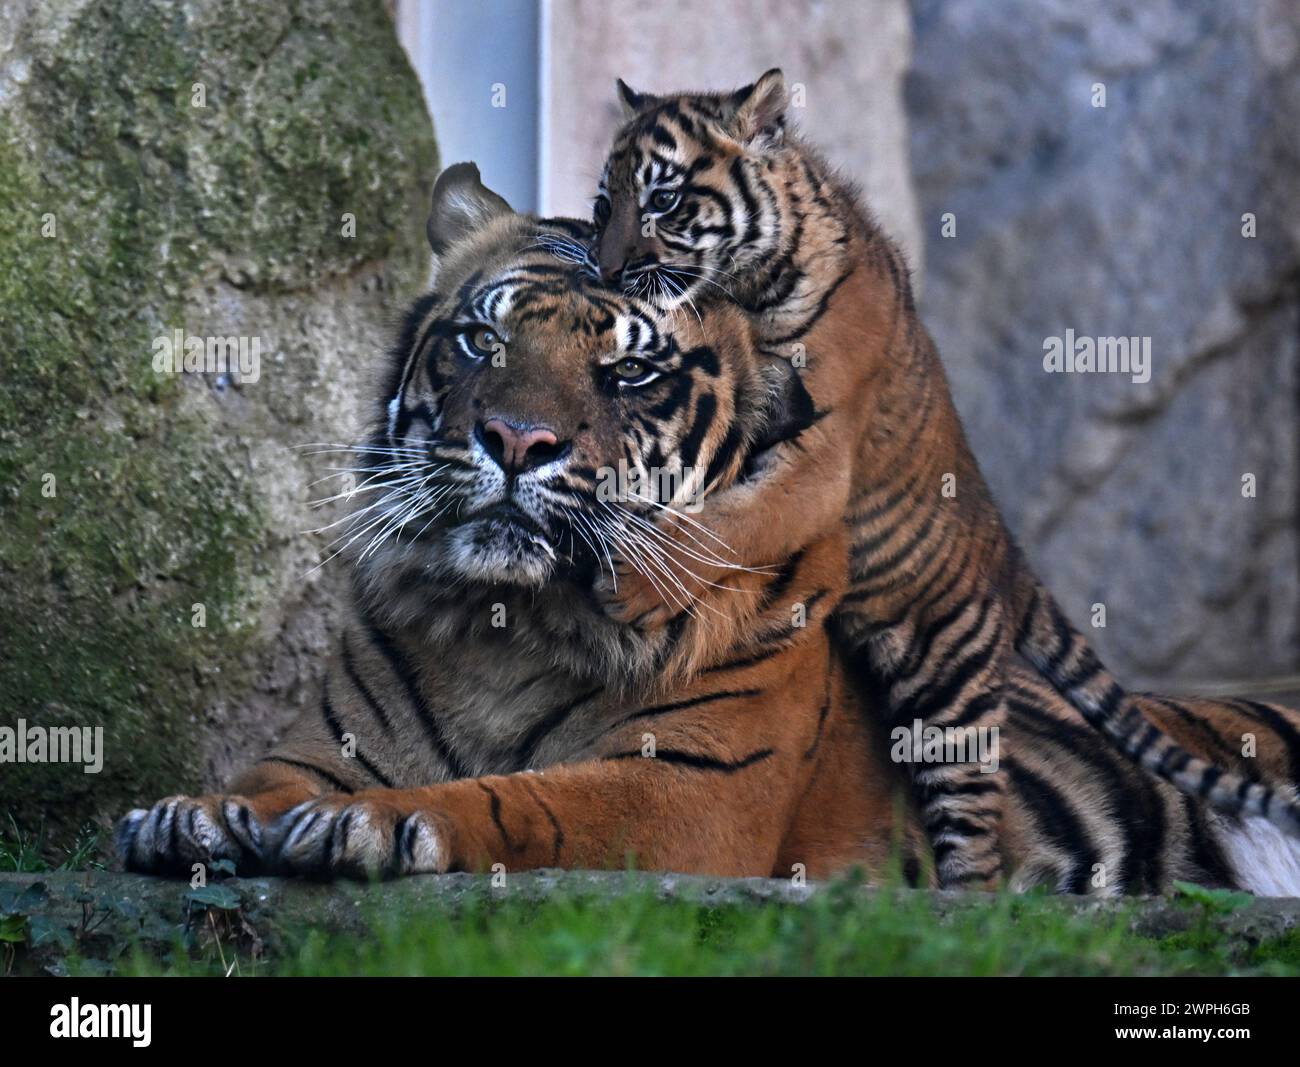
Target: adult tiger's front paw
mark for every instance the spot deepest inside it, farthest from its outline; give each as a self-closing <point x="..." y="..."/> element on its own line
<point x="178" y="832"/>
<point x="365" y="835"/>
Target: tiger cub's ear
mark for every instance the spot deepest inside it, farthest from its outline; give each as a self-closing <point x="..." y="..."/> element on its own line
<point x="462" y="204"/>
<point x="760" y="109"/>
<point x="633" y="102"/>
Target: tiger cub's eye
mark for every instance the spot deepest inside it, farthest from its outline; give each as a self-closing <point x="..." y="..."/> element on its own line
<point x="600" y="210"/>
<point x="664" y="199"/>
<point x="484" y="340"/>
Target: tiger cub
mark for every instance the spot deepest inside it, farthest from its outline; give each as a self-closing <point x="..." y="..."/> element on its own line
<point x="709" y="197"/>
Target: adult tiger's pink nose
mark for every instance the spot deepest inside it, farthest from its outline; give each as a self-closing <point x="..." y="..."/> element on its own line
<point x="517" y="449"/>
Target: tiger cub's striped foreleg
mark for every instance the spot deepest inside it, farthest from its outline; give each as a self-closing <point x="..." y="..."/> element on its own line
<point x="962" y="799"/>
<point x="942" y="677"/>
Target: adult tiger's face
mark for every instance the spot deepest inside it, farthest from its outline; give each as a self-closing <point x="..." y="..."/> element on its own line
<point x="534" y="420"/>
<point x="687" y="202"/>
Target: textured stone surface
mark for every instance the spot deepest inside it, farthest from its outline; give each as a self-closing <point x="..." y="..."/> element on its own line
<point x="850" y="58"/>
<point x="1127" y="220"/>
<point x="177" y="490"/>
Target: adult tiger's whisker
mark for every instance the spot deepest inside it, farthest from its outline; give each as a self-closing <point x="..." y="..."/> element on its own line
<point x="683" y="517"/>
<point x="668" y="542"/>
<point x="661" y="554"/>
<point x="376" y="477"/>
<point x="397" y="489"/>
<point x="676" y="593"/>
<point x="665" y="564"/>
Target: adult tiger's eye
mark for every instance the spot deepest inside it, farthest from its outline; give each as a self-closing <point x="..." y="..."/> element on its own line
<point x="664" y="199"/>
<point x="630" y="369"/>
<point x="484" y="340"/>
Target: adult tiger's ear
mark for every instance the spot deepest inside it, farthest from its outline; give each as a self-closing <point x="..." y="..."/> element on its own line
<point x="760" y="109"/>
<point x="790" y="407"/>
<point x="633" y="102"/>
<point x="462" y="204"/>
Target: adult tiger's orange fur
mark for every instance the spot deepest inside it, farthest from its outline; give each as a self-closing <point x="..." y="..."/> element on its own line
<point x="553" y="740"/>
<point x="707" y="197"/>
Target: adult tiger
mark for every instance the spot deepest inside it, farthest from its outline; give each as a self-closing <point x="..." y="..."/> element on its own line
<point x="512" y="388"/>
<point x="707" y="197"/>
<point x="475" y="655"/>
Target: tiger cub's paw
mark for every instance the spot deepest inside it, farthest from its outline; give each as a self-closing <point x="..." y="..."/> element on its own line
<point x="628" y="597"/>
<point x="358" y="836"/>
<point x="178" y="832"/>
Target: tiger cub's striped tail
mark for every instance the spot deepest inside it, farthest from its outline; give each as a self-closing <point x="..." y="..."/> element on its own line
<point x="1065" y="659"/>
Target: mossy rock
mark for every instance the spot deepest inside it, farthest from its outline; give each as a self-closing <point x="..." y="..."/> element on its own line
<point x="130" y="496"/>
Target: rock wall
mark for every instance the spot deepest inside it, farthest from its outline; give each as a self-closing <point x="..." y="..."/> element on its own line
<point x="1127" y="220"/>
<point x="252" y="169"/>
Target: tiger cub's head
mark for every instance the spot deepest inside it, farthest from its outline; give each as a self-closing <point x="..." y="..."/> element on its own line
<point x="534" y="422"/>
<point x="689" y="203"/>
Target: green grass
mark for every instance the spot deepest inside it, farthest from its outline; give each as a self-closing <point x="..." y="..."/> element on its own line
<point x="840" y="931"/>
<point x="837" y="933"/>
<point x="25" y="852"/>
